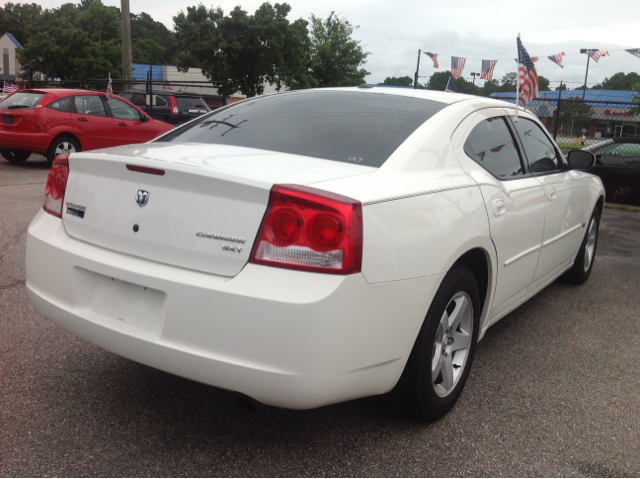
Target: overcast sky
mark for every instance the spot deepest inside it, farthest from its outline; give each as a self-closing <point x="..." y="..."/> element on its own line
<point x="393" y="31"/>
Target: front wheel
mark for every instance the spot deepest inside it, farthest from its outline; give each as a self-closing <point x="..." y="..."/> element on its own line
<point x="15" y="156"/>
<point x="582" y="266"/>
<point x="441" y="358"/>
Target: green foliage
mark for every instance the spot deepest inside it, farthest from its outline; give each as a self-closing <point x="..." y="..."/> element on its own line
<point x="619" y="81"/>
<point x="152" y="42"/>
<point x="75" y="42"/>
<point x="508" y="82"/>
<point x="563" y="86"/>
<point x="575" y="111"/>
<point x="249" y="50"/>
<point x="400" y="81"/>
<point x="336" y="57"/>
<point x="19" y="19"/>
<point x="543" y="83"/>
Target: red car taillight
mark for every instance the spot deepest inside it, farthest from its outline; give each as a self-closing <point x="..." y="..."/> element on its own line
<point x="310" y="230"/>
<point x="56" y="186"/>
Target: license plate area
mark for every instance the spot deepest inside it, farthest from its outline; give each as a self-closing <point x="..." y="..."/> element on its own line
<point x="124" y="303"/>
<point x="7" y="120"/>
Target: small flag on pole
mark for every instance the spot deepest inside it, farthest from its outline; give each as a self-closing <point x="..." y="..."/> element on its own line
<point x="434" y="57"/>
<point x="487" y="69"/>
<point x="527" y="76"/>
<point x="595" y="56"/>
<point x="109" y="88"/>
<point x="634" y="51"/>
<point x="557" y="59"/>
<point x="457" y="65"/>
<point x="9" y="88"/>
<point x="451" y="88"/>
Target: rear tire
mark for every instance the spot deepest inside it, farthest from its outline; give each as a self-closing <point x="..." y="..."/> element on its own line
<point x="15" y="156"/>
<point x="583" y="265"/>
<point x="442" y="355"/>
<point x="62" y="144"/>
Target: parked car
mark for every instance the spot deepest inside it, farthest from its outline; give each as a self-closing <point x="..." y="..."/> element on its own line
<point x="317" y="246"/>
<point x="55" y="121"/>
<point x="618" y="164"/>
<point x="171" y="107"/>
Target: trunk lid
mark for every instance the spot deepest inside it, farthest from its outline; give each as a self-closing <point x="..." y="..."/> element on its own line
<point x="202" y="214"/>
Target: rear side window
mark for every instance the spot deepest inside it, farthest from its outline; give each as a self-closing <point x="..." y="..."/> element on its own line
<point x="540" y="151"/>
<point x="350" y="127"/>
<point x="21" y="101"/>
<point x="491" y="145"/>
<point x="60" y="105"/>
<point x="89" y="105"/>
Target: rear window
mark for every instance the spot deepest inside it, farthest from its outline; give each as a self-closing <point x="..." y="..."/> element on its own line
<point x="192" y="105"/>
<point x="21" y="101"/>
<point x="350" y="127"/>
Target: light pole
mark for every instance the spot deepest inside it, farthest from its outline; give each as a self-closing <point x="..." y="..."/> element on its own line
<point x="474" y="77"/>
<point x="587" y="51"/>
<point x="125" y="22"/>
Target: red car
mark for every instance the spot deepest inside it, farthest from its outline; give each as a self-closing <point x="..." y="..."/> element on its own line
<point x="54" y="121"/>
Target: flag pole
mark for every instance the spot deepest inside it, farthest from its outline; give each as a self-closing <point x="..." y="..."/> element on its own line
<point x="518" y="83"/>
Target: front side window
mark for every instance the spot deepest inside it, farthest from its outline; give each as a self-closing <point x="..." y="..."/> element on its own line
<point x="122" y="110"/>
<point x="541" y="153"/>
<point x="89" y="105"/>
<point x="491" y="145"/>
<point x="350" y="127"/>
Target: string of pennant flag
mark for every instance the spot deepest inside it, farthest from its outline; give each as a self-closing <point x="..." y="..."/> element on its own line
<point x="486" y="72"/>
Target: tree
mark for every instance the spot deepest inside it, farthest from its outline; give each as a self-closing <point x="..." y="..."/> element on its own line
<point x="152" y="42"/>
<point x="336" y="57"/>
<point x="438" y="81"/>
<point x="248" y="50"/>
<point x="400" y="81"/>
<point x="508" y="82"/>
<point x="619" y="81"/>
<point x="575" y="111"/>
<point x="562" y="86"/>
<point x="19" y="20"/>
<point x="543" y="83"/>
<point x="75" y="42"/>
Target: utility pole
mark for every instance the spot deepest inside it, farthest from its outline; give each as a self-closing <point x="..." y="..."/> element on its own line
<point x="415" y="80"/>
<point x="587" y="51"/>
<point x="474" y="77"/>
<point x="125" y="21"/>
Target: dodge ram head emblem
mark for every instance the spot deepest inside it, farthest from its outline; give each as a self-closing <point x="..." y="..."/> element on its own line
<point x="142" y="197"/>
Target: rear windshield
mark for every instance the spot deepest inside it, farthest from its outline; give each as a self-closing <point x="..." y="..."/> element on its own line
<point x="21" y="101"/>
<point x="351" y="127"/>
<point x="192" y="105"/>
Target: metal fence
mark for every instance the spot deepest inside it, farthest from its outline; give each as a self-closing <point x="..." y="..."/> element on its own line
<point x="611" y="129"/>
<point x="215" y="93"/>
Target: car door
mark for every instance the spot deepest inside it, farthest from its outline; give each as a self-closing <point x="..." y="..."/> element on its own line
<point x="514" y="201"/>
<point x="128" y="123"/>
<point x="90" y="122"/>
<point x="565" y="202"/>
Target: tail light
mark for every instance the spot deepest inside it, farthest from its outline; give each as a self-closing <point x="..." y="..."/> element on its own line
<point x="56" y="186"/>
<point x="310" y="230"/>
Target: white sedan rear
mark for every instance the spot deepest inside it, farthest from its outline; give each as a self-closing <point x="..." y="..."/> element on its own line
<point x="313" y="247"/>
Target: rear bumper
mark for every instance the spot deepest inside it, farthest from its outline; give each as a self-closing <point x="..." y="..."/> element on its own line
<point x="34" y="142"/>
<point x="286" y="338"/>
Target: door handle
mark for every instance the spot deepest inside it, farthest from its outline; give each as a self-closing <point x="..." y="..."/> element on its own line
<point x="122" y="124"/>
<point x="499" y="208"/>
<point x="82" y="119"/>
<point x="551" y="193"/>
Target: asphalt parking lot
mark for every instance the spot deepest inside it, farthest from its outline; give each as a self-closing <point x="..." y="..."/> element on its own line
<point x="554" y="391"/>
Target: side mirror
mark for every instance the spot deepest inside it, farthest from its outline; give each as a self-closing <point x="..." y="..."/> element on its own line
<point x="145" y="118"/>
<point x="581" y="160"/>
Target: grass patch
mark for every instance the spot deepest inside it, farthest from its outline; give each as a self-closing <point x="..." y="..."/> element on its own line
<point x="630" y="209"/>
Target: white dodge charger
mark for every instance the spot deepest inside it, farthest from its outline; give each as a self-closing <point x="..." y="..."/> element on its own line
<point x="318" y="246"/>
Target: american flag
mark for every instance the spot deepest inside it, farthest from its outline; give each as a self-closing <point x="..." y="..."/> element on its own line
<point x="557" y="59"/>
<point x="527" y="76"/>
<point x="487" y="69"/>
<point x="434" y="57"/>
<point x="595" y="56"/>
<point x="450" y="88"/>
<point x="457" y="65"/>
<point x="9" y="88"/>
<point x="634" y="51"/>
<point x="534" y="59"/>
<point x="109" y="89"/>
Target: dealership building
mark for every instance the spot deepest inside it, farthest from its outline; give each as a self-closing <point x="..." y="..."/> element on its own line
<point x="604" y="113"/>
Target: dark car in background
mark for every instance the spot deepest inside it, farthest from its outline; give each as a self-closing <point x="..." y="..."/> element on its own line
<point x="618" y="165"/>
<point x="170" y="106"/>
